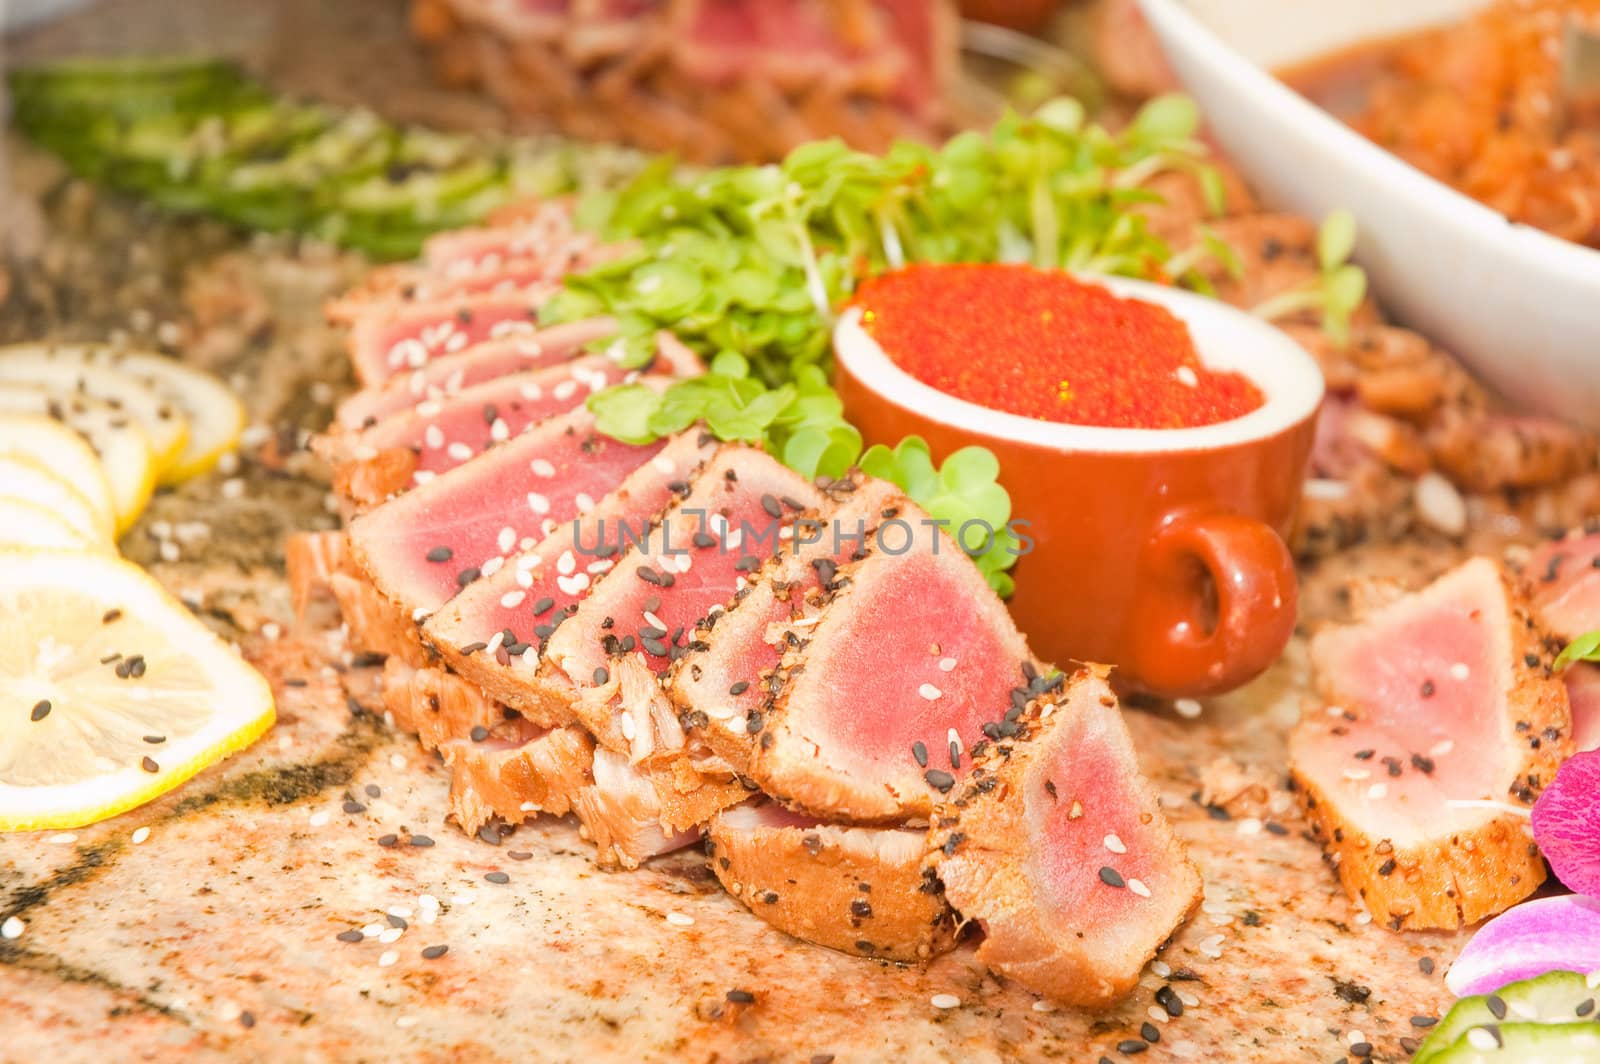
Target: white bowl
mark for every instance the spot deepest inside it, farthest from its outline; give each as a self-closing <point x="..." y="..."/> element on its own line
<point x="1519" y="306"/>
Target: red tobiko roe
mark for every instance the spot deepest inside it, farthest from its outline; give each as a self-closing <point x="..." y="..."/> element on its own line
<point x="1045" y="345"/>
<point x="1566" y="823"/>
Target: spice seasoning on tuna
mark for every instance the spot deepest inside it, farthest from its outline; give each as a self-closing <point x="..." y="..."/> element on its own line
<point x="1043" y="345"/>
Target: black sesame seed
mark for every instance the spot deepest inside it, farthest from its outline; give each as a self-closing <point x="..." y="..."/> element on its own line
<point x="468" y="575"/>
<point x="110" y="616"/>
<point x="861" y="907"/>
<point x="1496" y="1006"/>
<point x="741" y="997"/>
<point x="939" y="781"/>
<point x="350" y="936"/>
<point x="388" y="840"/>
<point x="353" y="806"/>
<point x="433" y="953"/>
<point x="1149" y="1032"/>
<point x="1275" y="828"/>
<point x="1364" y="755"/>
<point x="602" y="675"/>
<point x="1427" y="688"/>
<point x="478" y="733"/>
<point x="1425" y="965"/>
<point x="395" y="921"/>
<point x="519" y="855"/>
<point x="1585" y="1007"/>
<point x="1361" y="1049"/>
<point x="771" y="505"/>
<point x="373" y="790"/>
<point x="543" y="606"/>
<point x="920" y="752"/>
<point x="955" y="754"/>
<point x="1424" y="1021"/>
<point x="497" y="877"/>
<point x="739" y="688"/>
<point x="1169" y="1000"/>
<point x="149" y="765"/>
<point x="41" y="710"/>
<point x="1131" y="1047"/>
<point x="1111" y="877"/>
<point x="472" y="648"/>
<point x="247" y="1018"/>
<point x="421" y="840"/>
<point x="440" y="554"/>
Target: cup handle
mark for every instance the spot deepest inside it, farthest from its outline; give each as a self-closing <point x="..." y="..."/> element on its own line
<point x="1182" y="651"/>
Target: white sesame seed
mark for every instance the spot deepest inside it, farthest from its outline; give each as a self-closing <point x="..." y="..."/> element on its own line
<point x="406" y="1021"/>
<point x="506" y="539"/>
<point x="319" y="818"/>
<point x="1138" y="887"/>
<point x="1157" y="1014"/>
<point x="680" y="920"/>
<point x="512" y="599"/>
<point x="427" y="901"/>
<point x="458" y="452"/>
<point x="397" y="761"/>
<point x="574" y="584"/>
<point x="1355" y="775"/>
<point x="233" y="488"/>
<point x="629" y="729"/>
<point x="387" y="958"/>
<point x="1186" y="708"/>
<point x="402" y="911"/>
<point x="1043" y="1006"/>
<point x="929" y="692"/>
<point x="1353" y="1036"/>
<point x="653" y="621"/>
<point x="1188" y="998"/>
<point x="565" y="390"/>
<point x="528" y="807"/>
<point x="946" y="664"/>
<point x="1250" y="825"/>
<point x="372" y="930"/>
<point x="65" y="838"/>
<point x="542" y="468"/>
<point x="538" y="503"/>
<point x="390" y="935"/>
<point x="433" y="437"/>
<point x="422" y="476"/>
<point x="1115" y="844"/>
<point x="663" y="465"/>
<point x="12" y="928"/>
<point x="1161" y="969"/>
<point x="1460" y="671"/>
<point x="168" y="550"/>
<point x="944" y="1001"/>
<point x="952" y="738"/>
<point x="1442" y="747"/>
<point x="1363" y="918"/>
<point x="1482" y="1039"/>
<point x="584" y="502"/>
<point x="1186" y="376"/>
<point x="1377" y="791"/>
<point x="499" y="431"/>
<point x="140" y="834"/>
<point x="431" y="408"/>
<point x="567" y="563"/>
<point x="491" y="566"/>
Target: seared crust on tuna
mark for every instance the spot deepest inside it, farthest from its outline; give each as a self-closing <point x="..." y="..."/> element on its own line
<point x="857" y="890"/>
<point x="1440" y="711"/>
<point x="435" y="705"/>
<point x="516" y="771"/>
<point x="1057" y="846"/>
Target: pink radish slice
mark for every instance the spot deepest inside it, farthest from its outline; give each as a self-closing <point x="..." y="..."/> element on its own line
<point x="1547" y="935"/>
<point x="1566" y="823"/>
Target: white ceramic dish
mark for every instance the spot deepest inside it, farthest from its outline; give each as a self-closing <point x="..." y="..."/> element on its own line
<point x="1521" y="307"/>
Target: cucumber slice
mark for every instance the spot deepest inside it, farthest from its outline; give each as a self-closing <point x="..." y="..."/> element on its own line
<point x="1554" y="998"/>
<point x="1525" y="1043"/>
<point x="26" y="480"/>
<point x="163" y="422"/>
<point x="60" y="450"/>
<point x="216" y="417"/>
<point x="120" y="444"/>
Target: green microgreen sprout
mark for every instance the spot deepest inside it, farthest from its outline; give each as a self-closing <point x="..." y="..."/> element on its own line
<point x="1339" y="288"/>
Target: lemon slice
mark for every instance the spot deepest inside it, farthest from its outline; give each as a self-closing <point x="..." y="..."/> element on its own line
<point x="22" y="524"/>
<point x="216" y="417"/>
<point x="121" y="445"/>
<point x="62" y="451"/>
<point x="23" y="478"/>
<point x="111" y="693"/>
<point x="163" y="422"/>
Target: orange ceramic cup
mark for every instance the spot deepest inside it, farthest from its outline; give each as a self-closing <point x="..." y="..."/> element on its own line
<point x="1159" y="551"/>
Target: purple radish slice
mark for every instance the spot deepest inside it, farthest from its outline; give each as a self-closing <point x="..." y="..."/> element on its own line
<point x="1566" y="823"/>
<point x="1545" y="935"/>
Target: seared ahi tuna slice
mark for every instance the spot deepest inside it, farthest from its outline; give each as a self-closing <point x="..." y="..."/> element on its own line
<point x="857" y="890"/>
<point x="521" y="605"/>
<point x="449" y="374"/>
<point x="1583" y="695"/>
<point x="1563" y="581"/>
<point x="729" y="675"/>
<point x="542" y="230"/>
<point x="695" y="558"/>
<point x="387" y="342"/>
<point x="911" y="662"/>
<point x="1441" y="713"/>
<point x="422" y="547"/>
<point x="392" y="289"/>
<point x="1056" y="846"/>
<point x="443" y="433"/>
<point x="435" y="705"/>
<point x="516" y="771"/>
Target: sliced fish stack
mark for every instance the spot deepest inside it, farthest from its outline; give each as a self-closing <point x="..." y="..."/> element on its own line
<point x="686" y="639"/>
